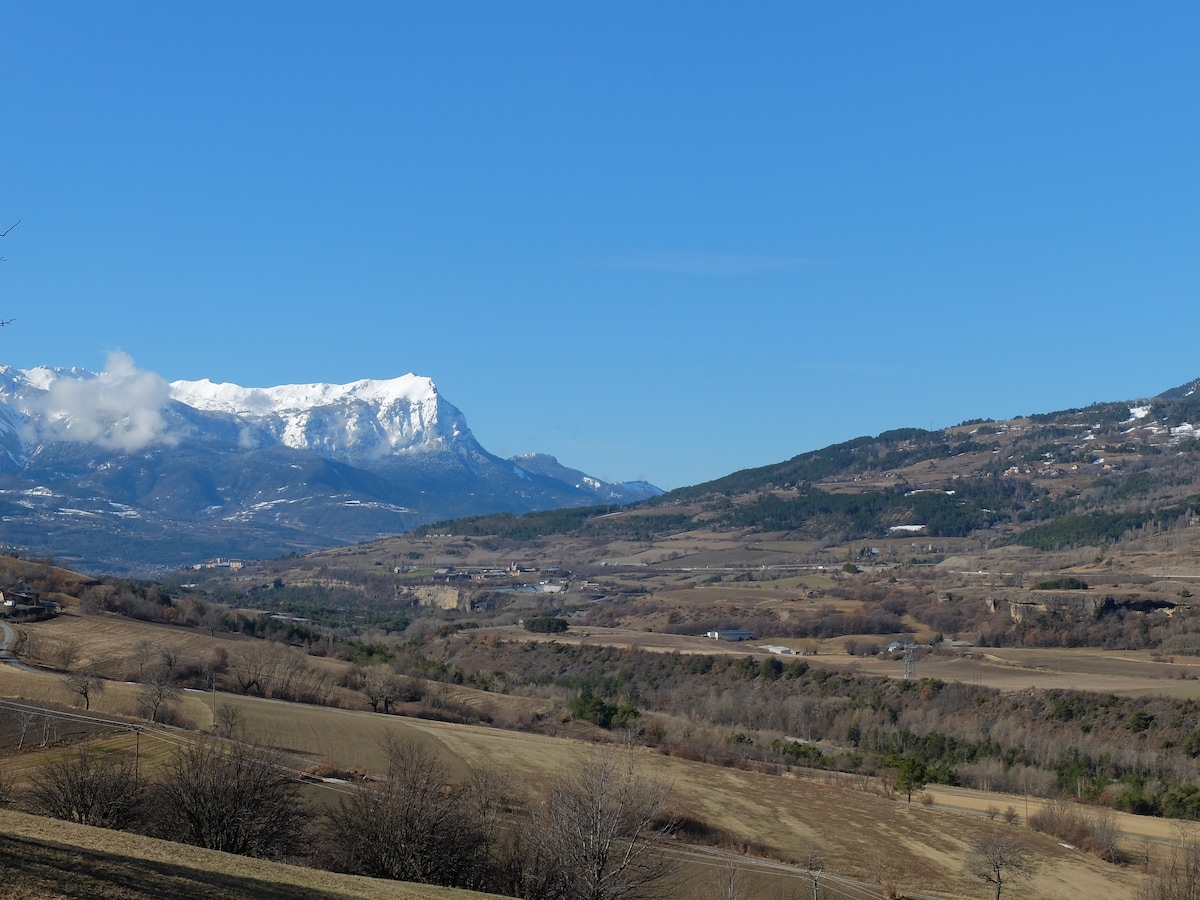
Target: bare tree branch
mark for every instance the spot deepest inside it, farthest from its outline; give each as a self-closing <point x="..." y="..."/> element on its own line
<point x="602" y="827"/>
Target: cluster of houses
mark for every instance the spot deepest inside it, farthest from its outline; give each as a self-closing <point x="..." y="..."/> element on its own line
<point x="219" y="563"/>
<point x="22" y="600"/>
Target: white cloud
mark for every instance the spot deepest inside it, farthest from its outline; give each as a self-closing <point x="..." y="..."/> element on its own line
<point x="121" y="408"/>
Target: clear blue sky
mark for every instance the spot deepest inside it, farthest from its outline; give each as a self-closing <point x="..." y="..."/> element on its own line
<point x="659" y="240"/>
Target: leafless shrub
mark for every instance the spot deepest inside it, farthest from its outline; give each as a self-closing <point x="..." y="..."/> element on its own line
<point x="88" y="788"/>
<point x="1064" y="820"/>
<point x="411" y="826"/>
<point x="1105" y="835"/>
<point x="231" y="796"/>
<point x="598" y="833"/>
<point x="877" y="862"/>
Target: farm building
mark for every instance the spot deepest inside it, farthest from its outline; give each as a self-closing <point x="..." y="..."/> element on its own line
<point x="19" y="595"/>
<point x="731" y="634"/>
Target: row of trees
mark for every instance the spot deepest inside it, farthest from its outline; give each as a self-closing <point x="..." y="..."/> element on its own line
<point x="595" y="834"/>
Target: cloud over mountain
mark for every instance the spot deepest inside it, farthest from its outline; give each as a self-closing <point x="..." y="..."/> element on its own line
<point x="121" y="408"/>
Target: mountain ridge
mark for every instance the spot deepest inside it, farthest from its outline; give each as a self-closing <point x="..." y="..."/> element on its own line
<point x="1064" y="479"/>
<point x="121" y="470"/>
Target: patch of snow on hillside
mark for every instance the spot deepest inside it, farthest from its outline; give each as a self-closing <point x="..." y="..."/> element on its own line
<point x="907" y="528"/>
<point x="376" y="504"/>
<point x="1138" y="412"/>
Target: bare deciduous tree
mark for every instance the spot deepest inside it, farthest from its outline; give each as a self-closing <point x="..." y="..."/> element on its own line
<point x="601" y="828"/>
<point x="63" y="653"/>
<point x="1177" y="877"/>
<point x="233" y="797"/>
<point x="156" y="692"/>
<point x="25" y="718"/>
<point x="86" y="683"/>
<point x="253" y="666"/>
<point x="727" y="883"/>
<point x="143" y="653"/>
<point x="229" y="722"/>
<point x="1106" y="835"/>
<point x="170" y="657"/>
<point x="88" y="788"/>
<point x="381" y="685"/>
<point x="999" y="859"/>
<point x="814" y="866"/>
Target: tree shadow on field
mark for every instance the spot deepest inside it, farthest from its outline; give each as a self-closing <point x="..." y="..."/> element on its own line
<point x="36" y="868"/>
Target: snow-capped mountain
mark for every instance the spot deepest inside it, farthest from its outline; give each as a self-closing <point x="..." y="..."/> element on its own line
<point x="122" y="470"/>
<point x="361" y="420"/>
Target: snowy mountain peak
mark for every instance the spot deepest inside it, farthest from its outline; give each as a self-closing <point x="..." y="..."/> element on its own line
<point x="238" y="400"/>
<point x="130" y="410"/>
<point x="366" y="418"/>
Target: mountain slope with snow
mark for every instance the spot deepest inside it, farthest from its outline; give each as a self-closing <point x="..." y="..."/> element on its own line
<point x="122" y="471"/>
<point x="363" y="419"/>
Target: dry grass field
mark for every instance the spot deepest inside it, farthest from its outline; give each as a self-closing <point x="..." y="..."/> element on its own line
<point x="108" y="642"/>
<point x="42" y="859"/>
<point x="924" y="847"/>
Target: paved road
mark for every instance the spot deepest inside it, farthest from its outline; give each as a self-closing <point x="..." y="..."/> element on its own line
<point x="7" y="636"/>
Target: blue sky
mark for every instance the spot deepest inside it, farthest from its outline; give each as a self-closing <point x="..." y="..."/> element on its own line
<point x="662" y="241"/>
